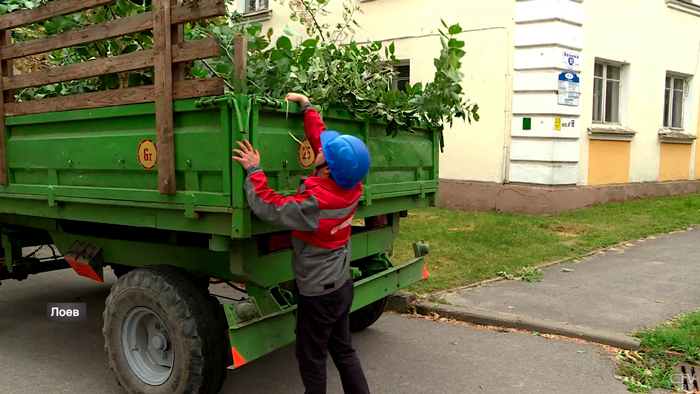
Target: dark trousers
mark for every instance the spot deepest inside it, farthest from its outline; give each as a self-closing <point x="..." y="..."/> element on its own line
<point x="323" y="326"/>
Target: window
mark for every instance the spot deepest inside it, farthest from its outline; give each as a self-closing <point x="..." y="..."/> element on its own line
<point x="248" y="6"/>
<point x="673" y="102"/>
<point x="404" y="75"/>
<point x="606" y="94"/>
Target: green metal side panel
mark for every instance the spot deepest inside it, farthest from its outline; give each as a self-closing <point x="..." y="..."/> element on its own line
<point x="83" y="165"/>
<point x="255" y="338"/>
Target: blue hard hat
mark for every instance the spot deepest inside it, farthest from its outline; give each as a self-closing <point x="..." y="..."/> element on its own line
<point x="347" y="157"/>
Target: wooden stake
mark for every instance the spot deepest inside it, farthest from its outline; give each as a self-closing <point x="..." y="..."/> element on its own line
<point x="5" y="69"/>
<point x="177" y="34"/>
<point x="240" y="65"/>
<point x="165" y="143"/>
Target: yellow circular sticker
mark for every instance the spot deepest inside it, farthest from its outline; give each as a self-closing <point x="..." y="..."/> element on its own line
<point x="147" y="154"/>
<point x="306" y="154"/>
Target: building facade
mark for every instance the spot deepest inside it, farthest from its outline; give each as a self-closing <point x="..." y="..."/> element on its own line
<point x="581" y="101"/>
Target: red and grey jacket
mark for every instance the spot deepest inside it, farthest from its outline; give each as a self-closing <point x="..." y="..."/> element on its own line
<point x="319" y="215"/>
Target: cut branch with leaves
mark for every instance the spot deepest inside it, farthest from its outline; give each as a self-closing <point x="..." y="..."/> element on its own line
<point x="332" y="73"/>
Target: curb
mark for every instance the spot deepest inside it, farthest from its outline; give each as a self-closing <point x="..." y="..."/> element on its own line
<point x="486" y="318"/>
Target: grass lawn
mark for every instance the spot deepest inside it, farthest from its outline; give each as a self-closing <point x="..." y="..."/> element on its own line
<point x="467" y="247"/>
<point x="662" y="349"/>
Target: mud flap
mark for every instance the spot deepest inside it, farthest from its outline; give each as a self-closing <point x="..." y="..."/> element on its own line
<point x="86" y="260"/>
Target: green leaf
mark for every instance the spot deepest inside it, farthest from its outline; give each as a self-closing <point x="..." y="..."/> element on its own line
<point x="309" y="43"/>
<point x="284" y="43"/>
<point x="129" y="49"/>
<point x="223" y="68"/>
<point x="290" y="32"/>
<point x="392" y="48"/>
<point x="455" y="29"/>
<point x="3" y="9"/>
<point x="455" y="43"/>
<point x="112" y="81"/>
<point x="199" y="72"/>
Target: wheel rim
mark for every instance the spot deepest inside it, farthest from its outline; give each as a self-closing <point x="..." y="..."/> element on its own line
<point x="147" y="346"/>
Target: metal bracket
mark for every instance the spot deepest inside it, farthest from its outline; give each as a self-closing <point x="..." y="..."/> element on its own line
<point x="190" y="200"/>
<point x="13" y="251"/>
<point x="245" y="104"/>
<point x="51" y="197"/>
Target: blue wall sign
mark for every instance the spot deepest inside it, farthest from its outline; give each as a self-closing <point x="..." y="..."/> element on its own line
<point x="569" y="89"/>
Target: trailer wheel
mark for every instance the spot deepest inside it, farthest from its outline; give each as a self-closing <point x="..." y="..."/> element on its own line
<point x="164" y="334"/>
<point x="368" y="315"/>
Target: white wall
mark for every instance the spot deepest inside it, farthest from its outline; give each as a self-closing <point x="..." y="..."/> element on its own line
<point x="653" y="39"/>
<point x="472" y="152"/>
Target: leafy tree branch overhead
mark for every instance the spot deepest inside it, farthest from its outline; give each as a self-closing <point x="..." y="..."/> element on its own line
<point x="330" y="67"/>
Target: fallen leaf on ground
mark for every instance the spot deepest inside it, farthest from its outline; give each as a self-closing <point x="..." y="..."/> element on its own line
<point x="481" y="386"/>
<point x="581" y="352"/>
<point x="659" y="301"/>
<point x="567" y="270"/>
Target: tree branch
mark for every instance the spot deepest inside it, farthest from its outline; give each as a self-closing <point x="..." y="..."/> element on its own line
<point x="347" y="23"/>
<point x="313" y="17"/>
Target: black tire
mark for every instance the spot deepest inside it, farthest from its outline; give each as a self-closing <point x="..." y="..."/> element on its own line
<point x="368" y="315"/>
<point x="194" y="321"/>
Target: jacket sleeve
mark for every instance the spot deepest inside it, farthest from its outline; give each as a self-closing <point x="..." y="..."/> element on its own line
<point x="314" y="126"/>
<point x="300" y="212"/>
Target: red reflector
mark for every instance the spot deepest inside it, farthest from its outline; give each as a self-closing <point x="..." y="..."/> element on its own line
<point x="425" y="272"/>
<point x="238" y="360"/>
<point x="282" y="241"/>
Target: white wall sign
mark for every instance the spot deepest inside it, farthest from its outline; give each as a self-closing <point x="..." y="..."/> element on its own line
<point x="572" y="60"/>
<point x="569" y="89"/>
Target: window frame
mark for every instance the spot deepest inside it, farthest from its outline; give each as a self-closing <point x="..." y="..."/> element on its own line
<point x="242" y="6"/>
<point x="395" y="66"/>
<point x="668" y="115"/>
<point x="604" y="95"/>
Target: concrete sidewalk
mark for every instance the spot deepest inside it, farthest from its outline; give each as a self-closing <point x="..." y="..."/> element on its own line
<point x="618" y="291"/>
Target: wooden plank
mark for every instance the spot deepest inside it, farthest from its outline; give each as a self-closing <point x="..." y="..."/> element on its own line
<point x="163" y="72"/>
<point x="180" y="14"/>
<point x="201" y="9"/>
<point x="184" y="52"/>
<point x="103" y="31"/>
<point x="192" y="88"/>
<point x="240" y="65"/>
<point x="5" y="36"/>
<point x="48" y="11"/>
<point x="177" y="35"/>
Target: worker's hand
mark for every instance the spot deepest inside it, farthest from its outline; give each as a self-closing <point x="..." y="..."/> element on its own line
<point x="248" y="156"/>
<point x="297" y="98"/>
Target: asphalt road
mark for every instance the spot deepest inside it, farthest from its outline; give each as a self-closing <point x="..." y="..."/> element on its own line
<point x="400" y="354"/>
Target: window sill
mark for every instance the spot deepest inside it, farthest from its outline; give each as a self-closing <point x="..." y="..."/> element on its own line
<point x="257" y="16"/>
<point x="676" y="137"/>
<point x="684" y="6"/>
<point x="610" y="133"/>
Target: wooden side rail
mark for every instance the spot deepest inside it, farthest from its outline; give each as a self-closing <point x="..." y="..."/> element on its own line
<point x="169" y="53"/>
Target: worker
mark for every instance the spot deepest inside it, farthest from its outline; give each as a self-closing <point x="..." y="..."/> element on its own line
<point x="320" y="217"/>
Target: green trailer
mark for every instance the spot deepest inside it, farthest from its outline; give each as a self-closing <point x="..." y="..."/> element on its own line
<point x="141" y="181"/>
<point x="82" y="180"/>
